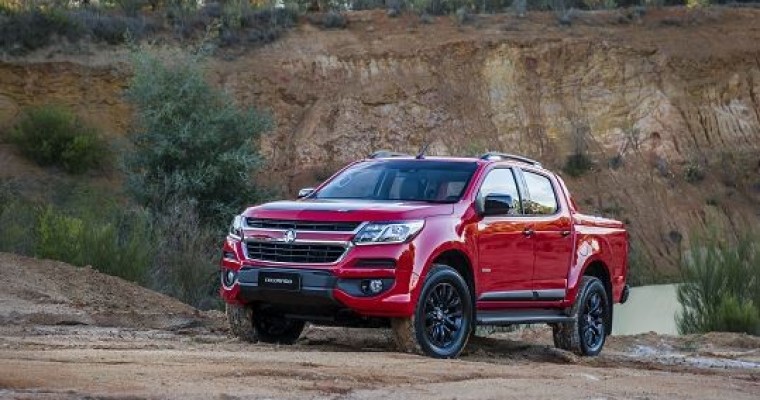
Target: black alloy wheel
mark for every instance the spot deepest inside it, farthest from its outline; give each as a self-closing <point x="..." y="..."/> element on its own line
<point x="443" y="315"/>
<point x="592" y="322"/>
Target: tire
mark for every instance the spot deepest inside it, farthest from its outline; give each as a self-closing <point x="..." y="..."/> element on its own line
<point x="240" y="320"/>
<point x="586" y="334"/>
<point x="443" y="319"/>
<point x="277" y="329"/>
<point x="250" y="326"/>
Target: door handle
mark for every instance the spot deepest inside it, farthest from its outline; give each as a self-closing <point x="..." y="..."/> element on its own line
<point x="528" y="232"/>
<point x="565" y="233"/>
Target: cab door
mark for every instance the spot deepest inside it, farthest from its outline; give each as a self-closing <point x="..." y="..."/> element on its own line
<point x="552" y="234"/>
<point x="505" y="246"/>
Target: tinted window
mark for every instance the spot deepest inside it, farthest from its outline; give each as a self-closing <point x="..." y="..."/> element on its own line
<point x="542" y="199"/>
<point x="502" y="181"/>
<point x="412" y="180"/>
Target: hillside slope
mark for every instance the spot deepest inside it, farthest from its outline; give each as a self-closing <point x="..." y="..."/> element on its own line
<point x="44" y="292"/>
<point x="649" y="100"/>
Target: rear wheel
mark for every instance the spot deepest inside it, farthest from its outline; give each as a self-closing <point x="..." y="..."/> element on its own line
<point x="442" y="321"/>
<point x="587" y="332"/>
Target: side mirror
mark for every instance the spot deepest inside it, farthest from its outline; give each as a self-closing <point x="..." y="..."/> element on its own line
<point x="496" y="204"/>
<point x="305" y="192"/>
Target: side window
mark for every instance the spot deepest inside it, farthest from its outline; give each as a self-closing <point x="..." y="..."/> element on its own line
<point x="502" y="181"/>
<point x="542" y="201"/>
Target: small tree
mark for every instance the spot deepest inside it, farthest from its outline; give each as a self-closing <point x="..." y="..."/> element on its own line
<point x="191" y="142"/>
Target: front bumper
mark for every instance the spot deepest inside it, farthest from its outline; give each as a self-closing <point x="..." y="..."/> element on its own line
<point x="326" y="292"/>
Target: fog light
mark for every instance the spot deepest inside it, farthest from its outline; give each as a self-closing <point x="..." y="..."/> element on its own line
<point x="372" y="286"/>
<point x="229" y="278"/>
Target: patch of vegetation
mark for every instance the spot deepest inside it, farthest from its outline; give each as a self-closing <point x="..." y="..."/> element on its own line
<point x="330" y="20"/>
<point x="26" y="30"/>
<point x="616" y="161"/>
<point x="577" y="164"/>
<point x="89" y="231"/>
<point x="694" y="172"/>
<point x="172" y="253"/>
<point x="187" y="265"/>
<point x="463" y="16"/>
<point x="243" y="24"/>
<point x="52" y="135"/>
<point x="721" y="285"/>
<point x="191" y="141"/>
<point x="712" y="201"/>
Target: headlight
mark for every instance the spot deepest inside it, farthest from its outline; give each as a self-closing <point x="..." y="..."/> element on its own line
<point x="387" y="232"/>
<point x="236" y="227"/>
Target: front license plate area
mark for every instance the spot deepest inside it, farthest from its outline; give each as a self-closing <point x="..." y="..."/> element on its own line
<point x="279" y="280"/>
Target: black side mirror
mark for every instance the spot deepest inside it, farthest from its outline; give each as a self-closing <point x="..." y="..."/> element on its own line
<point x="305" y="192"/>
<point x="496" y="204"/>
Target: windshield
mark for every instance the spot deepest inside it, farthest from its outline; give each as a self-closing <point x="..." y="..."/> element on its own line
<point x="410" y="180"/>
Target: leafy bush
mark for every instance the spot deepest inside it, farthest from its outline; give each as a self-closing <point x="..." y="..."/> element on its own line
<point x="721" y="285"/>
<point x="52" y="135"/>
<point x="187" y="265"/>
<point x="577" y="164"/>
<point x="27" y="30"/>
<point x="108" y="28"/>
<point x="245" y="25"/>
<point x="81" y="225"/>
<point x="463" y="16"/>
<point x="333" y="20"/>
<point x="17" y="222"/>
<point x="95" y="231"/>
<point x="191" y="142"/>
<point x="131" y="7"/>
<point x="694" y="173"/>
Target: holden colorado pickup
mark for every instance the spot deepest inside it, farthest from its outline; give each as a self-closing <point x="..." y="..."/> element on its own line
<point x="431" y="247"/>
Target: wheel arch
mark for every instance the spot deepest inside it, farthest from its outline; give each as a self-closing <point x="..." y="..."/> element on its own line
<point x="598" y="269"/>
<point x="457" y="259"/>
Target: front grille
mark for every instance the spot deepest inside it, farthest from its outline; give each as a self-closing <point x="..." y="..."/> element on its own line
<point x="294" y="252"/>
<point x="302" y="225"/>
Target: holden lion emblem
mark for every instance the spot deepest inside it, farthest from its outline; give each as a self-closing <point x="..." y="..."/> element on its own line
<point x="290" y="236"/>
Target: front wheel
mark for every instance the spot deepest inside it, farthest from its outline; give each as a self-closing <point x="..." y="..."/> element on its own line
<point x="442" y="321"/>
<point x="277" y="329"/>
<point x="586" y="334"/>
<point x="253" y="326"/>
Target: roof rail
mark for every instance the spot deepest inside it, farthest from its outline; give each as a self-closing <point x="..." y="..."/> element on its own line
<point x="492" y="155"/>
<point x="388" y="154"/>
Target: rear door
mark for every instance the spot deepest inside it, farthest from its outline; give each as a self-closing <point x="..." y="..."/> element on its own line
<point x="551" y="228"/>
<point x="505" y="252"/>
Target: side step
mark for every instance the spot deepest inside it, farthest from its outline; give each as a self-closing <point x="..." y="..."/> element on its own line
<point x="510" y="317"/>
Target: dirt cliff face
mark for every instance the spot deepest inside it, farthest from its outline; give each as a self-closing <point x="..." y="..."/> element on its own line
<point x="665" y="106"/>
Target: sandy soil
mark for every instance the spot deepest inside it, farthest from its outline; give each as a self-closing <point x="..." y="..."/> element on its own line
<point x="73" y="333"/>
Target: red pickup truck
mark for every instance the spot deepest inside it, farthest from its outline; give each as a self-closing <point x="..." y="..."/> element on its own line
<point x="432" y="247"/>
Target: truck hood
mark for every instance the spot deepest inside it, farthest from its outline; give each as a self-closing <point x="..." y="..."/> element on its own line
<point x="347" y="210"/>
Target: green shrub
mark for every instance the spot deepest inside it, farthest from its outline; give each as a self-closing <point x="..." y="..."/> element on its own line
<point x="333" y="20"/>
<point x="721" y="285"/>
<point x="30" y="29"/>
<point x="577" y="164"/>
<point x="187" y="265"/>
<point x="192" y="142"/>
<point x="87" y="229"/>
<point x="52" y="135"/>
<point x="244" y="25"/>
<point x="110" y="28"/>
<point x="120" y="244"/>
<point x="18" y="220"/>
<point x="694" y="172"/>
